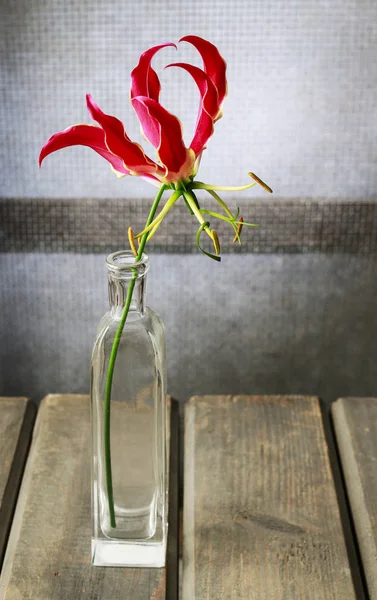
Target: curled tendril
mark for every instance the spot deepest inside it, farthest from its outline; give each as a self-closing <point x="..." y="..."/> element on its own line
<point x="197" y="239"/>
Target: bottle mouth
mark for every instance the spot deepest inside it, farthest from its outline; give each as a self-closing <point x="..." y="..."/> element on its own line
<point x="122" y="264"/>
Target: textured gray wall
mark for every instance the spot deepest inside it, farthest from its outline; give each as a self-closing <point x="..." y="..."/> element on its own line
<point x="253" y="324"/>
<point x="301" y="110"/>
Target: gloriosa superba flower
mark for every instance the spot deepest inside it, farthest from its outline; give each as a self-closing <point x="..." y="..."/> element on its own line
<point x="177" y="165"/>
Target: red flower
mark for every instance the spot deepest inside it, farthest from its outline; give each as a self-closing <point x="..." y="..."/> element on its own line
<point x="177" y="165"/>
<point x="161" y="128"/>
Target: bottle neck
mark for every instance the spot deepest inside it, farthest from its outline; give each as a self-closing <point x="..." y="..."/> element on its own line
<point x="126" y="276"/>
<point x="118" y="291"/>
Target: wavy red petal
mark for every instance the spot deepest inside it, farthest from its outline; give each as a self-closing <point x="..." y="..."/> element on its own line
<point x="208" y="108"/>
<point x="83" y="135"/>
<point x="214" y="64"/>
<point x="206" y="87"/>
<point x="139" y="76"/>
<point x="171" y="150"/>
<point x="145" y="82"/>
<point x="154" y="86"/>
<point x="118" y="142"/>
<point x="204" y="130"/>
<point x="149" y="126"/>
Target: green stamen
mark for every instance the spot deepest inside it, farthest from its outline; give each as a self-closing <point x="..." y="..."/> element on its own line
<point x="169" y="204"/>
<point x="227" y="219"/>
<point x="198" y="185"/>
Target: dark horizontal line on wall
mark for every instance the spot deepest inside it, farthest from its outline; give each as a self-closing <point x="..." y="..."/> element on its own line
<point x="100" y="226"/>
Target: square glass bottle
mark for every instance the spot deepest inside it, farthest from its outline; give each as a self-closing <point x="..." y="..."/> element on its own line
<point x="129" y="475"/>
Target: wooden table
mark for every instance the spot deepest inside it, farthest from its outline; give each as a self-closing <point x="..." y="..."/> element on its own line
<point x="279" y="503"/>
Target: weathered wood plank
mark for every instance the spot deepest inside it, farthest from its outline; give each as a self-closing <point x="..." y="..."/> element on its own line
<point x="172" y="549"/>
<point x="261" y="518"/>
<point x="49" y="550"/>
<point x="16" y="423"/>
<point x="355" y="423"/>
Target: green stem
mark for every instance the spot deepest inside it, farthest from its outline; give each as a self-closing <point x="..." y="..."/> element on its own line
<point x="110" y="370"/>
<point x="193" y="203"/>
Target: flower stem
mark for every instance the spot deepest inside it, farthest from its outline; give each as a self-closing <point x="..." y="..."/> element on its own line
<point x="193" y="203"/>
<point x="111" y="366"/>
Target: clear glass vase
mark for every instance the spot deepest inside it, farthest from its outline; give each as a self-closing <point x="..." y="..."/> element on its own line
<point x="137" y="426"/>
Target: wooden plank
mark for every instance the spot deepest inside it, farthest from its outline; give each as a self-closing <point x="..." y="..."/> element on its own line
<point x="261" y="518"/>
<point x="16" y="423"/>
<point x="355" y="423"/>
<point x="172" y="549"/>
<point x="49" y="550"/>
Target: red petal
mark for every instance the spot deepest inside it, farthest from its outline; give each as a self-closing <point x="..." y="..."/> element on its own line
<point x="83" y="135"/>
<point x="173" y="154"/>
<point x="154" y="86"/>
<point x="208" y="109"/>
<point x="214" y="64"/>
<point x="118" y="142"/>
<point x="140" y="79"/>
<point x="149" y="127"/>
<point x="145" y="82"/>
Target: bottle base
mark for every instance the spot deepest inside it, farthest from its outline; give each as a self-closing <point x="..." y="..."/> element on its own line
<point x="120" y="553"/>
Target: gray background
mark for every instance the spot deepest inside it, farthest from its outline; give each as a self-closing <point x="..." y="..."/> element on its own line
<point x="254" y="324"/>
<point x="301" y="112"/>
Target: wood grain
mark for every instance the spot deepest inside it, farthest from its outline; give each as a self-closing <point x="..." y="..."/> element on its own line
<point x="261" y="518"/>
<point x="49" y="550"/>
<point x="16" y="422"/>
<point x="355" y="423"/>
<point x="12" y="412"/>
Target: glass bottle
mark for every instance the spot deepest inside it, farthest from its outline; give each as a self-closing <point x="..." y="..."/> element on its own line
<point x="137" y="426"/>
